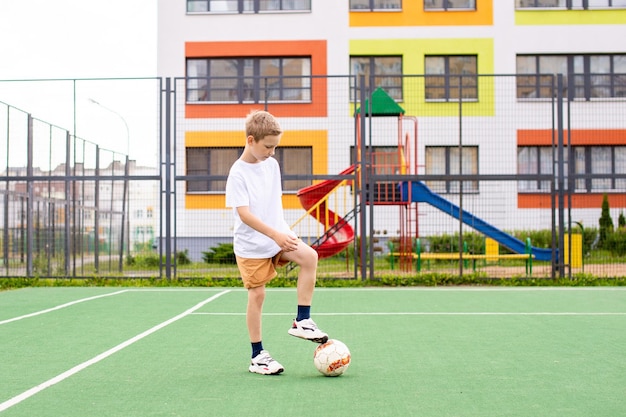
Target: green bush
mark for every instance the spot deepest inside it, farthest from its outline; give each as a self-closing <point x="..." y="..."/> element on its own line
<point x="590" y="234"/>
<point x="220" y="254"/>
<point x="476" y="241"/>
<point x="143" y="260"/>
<point x="182" y="258"/>
<point x="151" y="260"/>
<point x="615" y="242"/>
<point x="538" y="238"/>
<point x="450" y="243"/>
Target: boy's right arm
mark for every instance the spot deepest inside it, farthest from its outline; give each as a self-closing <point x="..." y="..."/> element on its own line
<point x="285" y="241"/>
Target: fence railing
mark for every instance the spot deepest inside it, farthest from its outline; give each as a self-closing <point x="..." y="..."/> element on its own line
<point x="454" y="176"/>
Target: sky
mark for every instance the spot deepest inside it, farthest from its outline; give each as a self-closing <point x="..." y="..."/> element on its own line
<point x="84" y="39"/>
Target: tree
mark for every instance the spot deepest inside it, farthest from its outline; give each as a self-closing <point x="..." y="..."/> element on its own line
<point x="606" y="222"/>
<point x="621" y="220"/>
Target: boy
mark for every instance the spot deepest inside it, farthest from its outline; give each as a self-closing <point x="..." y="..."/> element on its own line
<point x="263" y="239"/>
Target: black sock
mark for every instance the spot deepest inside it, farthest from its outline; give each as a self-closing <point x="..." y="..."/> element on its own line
<point x="257" y="347"/>
<point x="304" y="312"/>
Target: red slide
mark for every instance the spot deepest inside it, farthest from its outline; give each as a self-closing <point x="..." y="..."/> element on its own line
<point x="344" y="233"/>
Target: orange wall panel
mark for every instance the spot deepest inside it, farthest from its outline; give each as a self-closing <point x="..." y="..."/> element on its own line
<point x="543" y="201"/>
<point x="413" y="14"/>
<point x="313" y="48"/>
<point x="578" y="137"/>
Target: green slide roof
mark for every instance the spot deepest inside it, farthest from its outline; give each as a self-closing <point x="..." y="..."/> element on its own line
<point x="382" y="105"/>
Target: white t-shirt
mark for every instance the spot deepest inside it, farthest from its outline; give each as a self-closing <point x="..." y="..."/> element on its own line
<point x="257" y="186"/>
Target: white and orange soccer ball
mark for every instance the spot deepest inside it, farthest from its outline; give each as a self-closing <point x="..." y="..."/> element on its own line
<point x="332" y="358"/>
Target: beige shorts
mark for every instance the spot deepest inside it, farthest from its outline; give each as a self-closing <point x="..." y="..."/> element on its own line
<point x="258" y="272"/>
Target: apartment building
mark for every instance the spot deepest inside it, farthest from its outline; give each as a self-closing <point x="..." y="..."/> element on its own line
<point x="104" y="198"/>
<point x="306" y="59"/>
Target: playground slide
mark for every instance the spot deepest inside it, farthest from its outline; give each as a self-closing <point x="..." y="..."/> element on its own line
<point x="420" y="193"/>
<point x="343" y="233"/>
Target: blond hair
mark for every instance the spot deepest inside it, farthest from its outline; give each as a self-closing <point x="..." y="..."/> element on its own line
<point x="260" y="123"/>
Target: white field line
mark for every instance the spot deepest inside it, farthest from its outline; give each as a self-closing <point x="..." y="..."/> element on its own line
<point x="29" y="393"/>
<point x="423" y="289"/>
<point x="443" y="313"/>
<point x="461" y="289"/>
<point x="95" y="297"/>
<point x="71" y="303"/>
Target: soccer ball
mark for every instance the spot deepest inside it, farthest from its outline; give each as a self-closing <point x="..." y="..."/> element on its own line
<point x="332" y="358"/>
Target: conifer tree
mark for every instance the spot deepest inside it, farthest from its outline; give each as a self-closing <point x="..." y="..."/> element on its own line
<point x="606" y="222"/>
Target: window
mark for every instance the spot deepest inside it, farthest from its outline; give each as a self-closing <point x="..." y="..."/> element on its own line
<point x="379" y="71"/>
<point x="451" y="77"/>
<point x="384" y="160"/>
<point x="210" y="161"/>
<point x="378" y="5"/>
<point x="586" y="77"/>
<point x="597" y="160"/>
<point x="449" y="4"/>
<point x="444" y="160"/>
<point x="570" y="4"/>
<point x="247" y="6"/>
<point x="539" y="3"/>
<point x="249" y="80"/>
<point x="587" y="160"/>
<point x="214" y="161"/>
<point x="295" y="161"/>
<point x="143" y="234"/>
<point x="534" y="160"/>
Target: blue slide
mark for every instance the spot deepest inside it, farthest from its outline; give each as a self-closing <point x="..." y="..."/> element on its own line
<point x="420" y="193"/>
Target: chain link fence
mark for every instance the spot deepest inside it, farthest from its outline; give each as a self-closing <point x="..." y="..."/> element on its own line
<point x="499" y="184"/>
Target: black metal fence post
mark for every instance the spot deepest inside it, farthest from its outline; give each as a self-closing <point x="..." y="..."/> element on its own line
<point x="29" y="198"/>
<point x="168" y="179"/>
<point x="560" y="173"/>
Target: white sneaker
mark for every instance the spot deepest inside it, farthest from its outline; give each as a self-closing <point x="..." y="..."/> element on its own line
<point x="307" y="329"/>
<point x="264" y="364"/>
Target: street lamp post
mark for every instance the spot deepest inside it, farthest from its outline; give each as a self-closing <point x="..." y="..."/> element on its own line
<point x="125" y="206"/>
<point x="121" y="118"/>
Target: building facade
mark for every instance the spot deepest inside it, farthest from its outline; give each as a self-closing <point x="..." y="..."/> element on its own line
<point x="494" y="65"/>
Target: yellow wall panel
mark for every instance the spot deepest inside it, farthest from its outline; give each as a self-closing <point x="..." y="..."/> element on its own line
<point x="570" y="17"/>
<point x="220" y="138"/>
<point x="218" y="201"/>
<point x="413" y="52"/>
